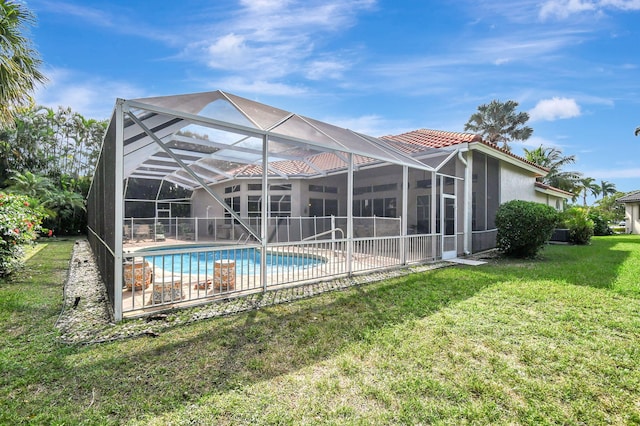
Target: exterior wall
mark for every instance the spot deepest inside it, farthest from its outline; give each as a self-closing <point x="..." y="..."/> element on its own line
<point x="510" y="183"/>
<point x="203" y="205"/>
<point x="516" y="186"/>
<point x="632" y="217"/>
<point x="305" y="195"/>
<point x="552" y="201"/>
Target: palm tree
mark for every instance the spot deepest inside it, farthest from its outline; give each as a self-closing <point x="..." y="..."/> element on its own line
<point x="498" y="122"/>
<point x="552" y="159"/>
<point x="588" y="186"/>
<point x="19" y="62"/>
<point x="607" y="188"/>
<point x="30" y="184"/>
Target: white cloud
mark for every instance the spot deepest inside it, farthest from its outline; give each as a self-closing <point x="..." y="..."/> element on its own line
<point x="372" y="125"/>
<point x="240" y="85"/>
<point x="276" y="38"/>
<point x="554" y="109"/>
<point x="318" y="70"/>
<point x="501" y="61"/>
<point x="535" y="142"/>
<point x="614" y="173"/>
<point x="88" y="95"/>
<point x="118" y="21"/>
<point x="562" y="9"/>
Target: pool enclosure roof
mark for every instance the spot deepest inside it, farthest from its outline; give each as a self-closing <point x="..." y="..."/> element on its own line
<point x="204" y="138"/>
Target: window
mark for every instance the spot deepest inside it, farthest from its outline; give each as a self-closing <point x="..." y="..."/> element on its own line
<point x="272" y="187"/>
<point x="426" y="183"/>
<point x="233" y="188"/>
<point x="234" y="203"/>
<point x="423" y="214"/>
<point x="361" y="190"/>
<point x="385" y="187"/>
<point x="320" y="207"/>
<point x="449" y="185"/>
<point x="280" y="187"/>
<point x="382" y="207"/>
<point x="375" y="188"/>
<point x="254" y="205"/>
<point x="322" y="188"/>
<point x="280" y="205"/>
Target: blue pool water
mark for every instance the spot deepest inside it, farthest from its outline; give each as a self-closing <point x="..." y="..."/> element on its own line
<point x="247" y="261"/>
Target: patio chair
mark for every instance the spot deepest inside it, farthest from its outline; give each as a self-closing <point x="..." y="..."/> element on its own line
<point x="142" y="232"/>
<point x="126" y="233"/>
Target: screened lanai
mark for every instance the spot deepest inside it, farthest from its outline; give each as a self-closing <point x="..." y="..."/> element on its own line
<point x="207" y="195"/>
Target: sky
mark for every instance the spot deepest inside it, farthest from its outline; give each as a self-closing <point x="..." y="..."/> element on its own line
<point x="380" y="67"/>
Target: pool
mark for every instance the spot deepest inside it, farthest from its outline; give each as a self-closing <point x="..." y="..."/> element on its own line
<point x="247" y="261"/>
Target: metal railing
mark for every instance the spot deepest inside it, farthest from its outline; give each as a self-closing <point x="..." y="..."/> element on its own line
<point x="161" y="277"/>
<point x="279" y="229"/>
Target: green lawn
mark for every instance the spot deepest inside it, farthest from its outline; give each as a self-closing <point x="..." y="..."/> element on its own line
<point x="550" y="341"/>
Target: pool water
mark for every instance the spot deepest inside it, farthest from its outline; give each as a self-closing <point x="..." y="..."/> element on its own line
<point x="247" y="261"/>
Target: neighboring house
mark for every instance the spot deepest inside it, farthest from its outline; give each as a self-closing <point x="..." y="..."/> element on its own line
<point x="631" y="212"/>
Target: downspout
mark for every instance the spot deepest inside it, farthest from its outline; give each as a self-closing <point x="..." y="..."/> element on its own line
<point x="468" y="181"/>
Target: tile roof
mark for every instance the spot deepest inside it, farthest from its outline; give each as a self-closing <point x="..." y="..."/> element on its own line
<point x="553" y="188"/>
<point x="630" y="198"/>
<point x="426" y="138"/>
<point x="415" y="142"/>
<point x="433" y="138"/>
<point x="327" y="162"/>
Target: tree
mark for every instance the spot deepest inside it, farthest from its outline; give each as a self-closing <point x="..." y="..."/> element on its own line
<point x="552" y="159"/>
<point x="607" y="188"/>
<point x="588" y="186"/>
<point x="19" y="62"/>
<point x="27" y="183"/>
<point x="498" y="122"/>
<point x="52" y="143"/>
<point x="609" y="207"/>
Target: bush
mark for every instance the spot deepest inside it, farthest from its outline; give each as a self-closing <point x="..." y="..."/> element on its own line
<point x="524" y="227"/>
<point x="600" y="224"/>
<point x="580" y="227"/>
<point x="19" y="225"/>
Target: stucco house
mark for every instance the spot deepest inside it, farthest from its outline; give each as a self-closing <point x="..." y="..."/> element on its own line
<point x="631" y="203"/>
<point x="338" y="202"/>
<point x="486" y="177"/>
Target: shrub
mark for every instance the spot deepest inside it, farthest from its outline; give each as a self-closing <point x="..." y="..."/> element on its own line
<point x="600" y="225"/>
<point x="19" y="225"/>
<point x="580" y="226"/>
<point x="524" y="227"/>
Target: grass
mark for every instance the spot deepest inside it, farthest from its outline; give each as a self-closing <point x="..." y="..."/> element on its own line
<point x="550" y="341"/>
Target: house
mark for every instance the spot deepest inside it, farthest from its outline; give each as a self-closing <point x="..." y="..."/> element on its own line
<point x="631" y="203"/>
<point x="220" y="171"/>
